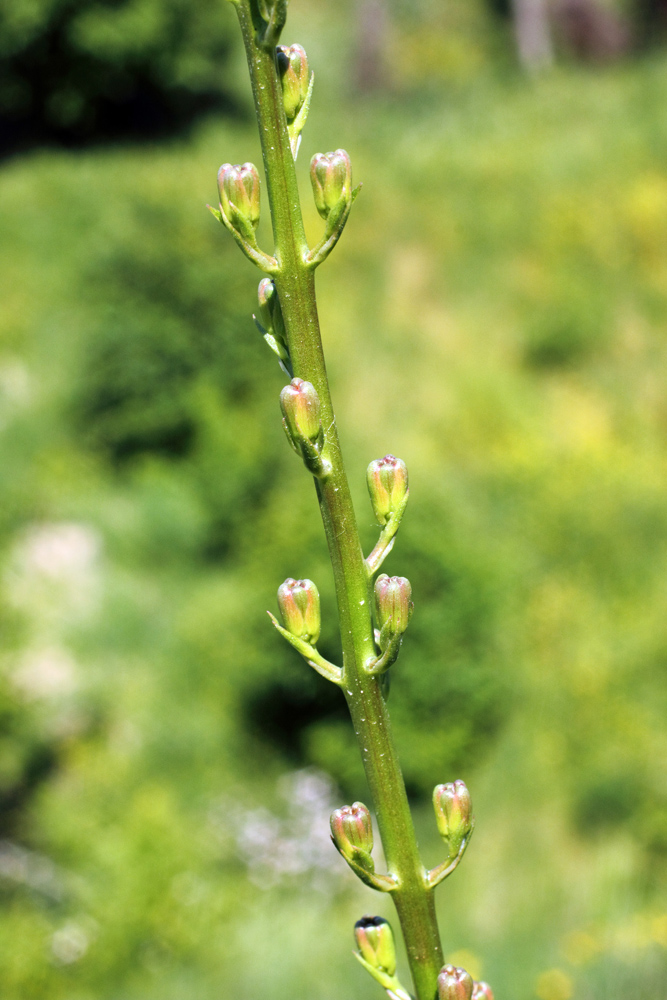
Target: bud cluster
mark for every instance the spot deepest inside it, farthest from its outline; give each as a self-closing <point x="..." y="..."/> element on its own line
<point x="453" y="814"/>
<point x="387" y="480"/>
<point x="299" y="603"/>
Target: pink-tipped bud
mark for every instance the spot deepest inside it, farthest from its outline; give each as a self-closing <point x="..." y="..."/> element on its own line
<point x="292" y="64"/>
<point x="481" y="991"/>
<point x="375" y="941"/>
<point x="352" y="831"/>
<point x="453" y="813"/>
<point x="387" y="480"/>
<point x="301" y="409"/>
<point x="238" y="185"/>
<point x="393" y="601"/>
<point x="331" y="177"/>
<point x="454" y="984"/>
<point x="299" y="603"/>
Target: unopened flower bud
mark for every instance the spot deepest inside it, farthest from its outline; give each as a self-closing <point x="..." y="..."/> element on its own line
<point x="292" y="65"/>
<point x="454" y="984"/>
<point x="481" y="991"/>
<point x="270" y="312"/>
<point x="392" y="598"/>
<point x="352" y="831"/>
<point x="387" y="480"/>
<point x="375" y="941"/>
<point x="301" y="409"/>
<point x="331" y="176"/>
<point x="238" y="185"/>
<point x="299" y="603"/>
<point x="453" y="813"/>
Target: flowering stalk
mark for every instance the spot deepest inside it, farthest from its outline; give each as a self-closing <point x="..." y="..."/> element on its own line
<point x="289" y="321"/>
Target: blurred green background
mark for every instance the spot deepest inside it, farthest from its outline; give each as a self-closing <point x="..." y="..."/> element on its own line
<point x="496" y="314"/>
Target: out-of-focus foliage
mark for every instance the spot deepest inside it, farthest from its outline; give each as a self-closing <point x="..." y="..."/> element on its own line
<point x="75" y="71"/>
<point x="495" y="315"/>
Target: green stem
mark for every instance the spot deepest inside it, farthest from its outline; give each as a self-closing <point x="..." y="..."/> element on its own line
<point x="296" y="289"/>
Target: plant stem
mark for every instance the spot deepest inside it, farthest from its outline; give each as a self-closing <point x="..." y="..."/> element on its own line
<point x="296" y="289"/>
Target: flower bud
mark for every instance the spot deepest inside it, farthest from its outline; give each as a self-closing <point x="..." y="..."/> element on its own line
<point x="270" y="312"/>
<point x="392" y="598"/>
<point x="454" y="984"/>
<point x="301" y="409"/>
<point x="331" y="176"/>
<point x="238" y="185"/>
<point x="481" y="991"/>
<point x="352" y="831"/>
<point x="375" y="941"/>
<point x="292" y="65"/>
<point x="299" y="603"/>
<point x="387" y="480"/>
<point x="453" y="813"/>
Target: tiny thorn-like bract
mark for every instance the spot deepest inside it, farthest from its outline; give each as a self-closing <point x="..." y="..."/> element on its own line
<point x="454" y="984"/>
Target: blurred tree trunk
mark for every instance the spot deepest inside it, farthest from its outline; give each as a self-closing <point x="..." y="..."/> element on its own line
<point x="371" y="39"/>
<point x="533" y="34"/>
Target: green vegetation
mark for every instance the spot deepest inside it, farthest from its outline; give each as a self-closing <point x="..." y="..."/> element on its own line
<point x="509" y="345"/>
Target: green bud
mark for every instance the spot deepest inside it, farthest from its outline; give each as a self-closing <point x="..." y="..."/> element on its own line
<point x="387" y="480"/>
<point x="453" y="813"/>
<point x="270" y="312"/>
<point x="301" y="411"/>
<point x="375" y="941"/>
<point x="352" y="831"/>
<point x="299" y="603"/>
<point x="331" y="177"/>
<point x="392" y="600"/>
<point x="481" y="991"/>
<point x="292" y="64"/>
<point x="238" y="185"/>
<point x="454" y="984"/>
